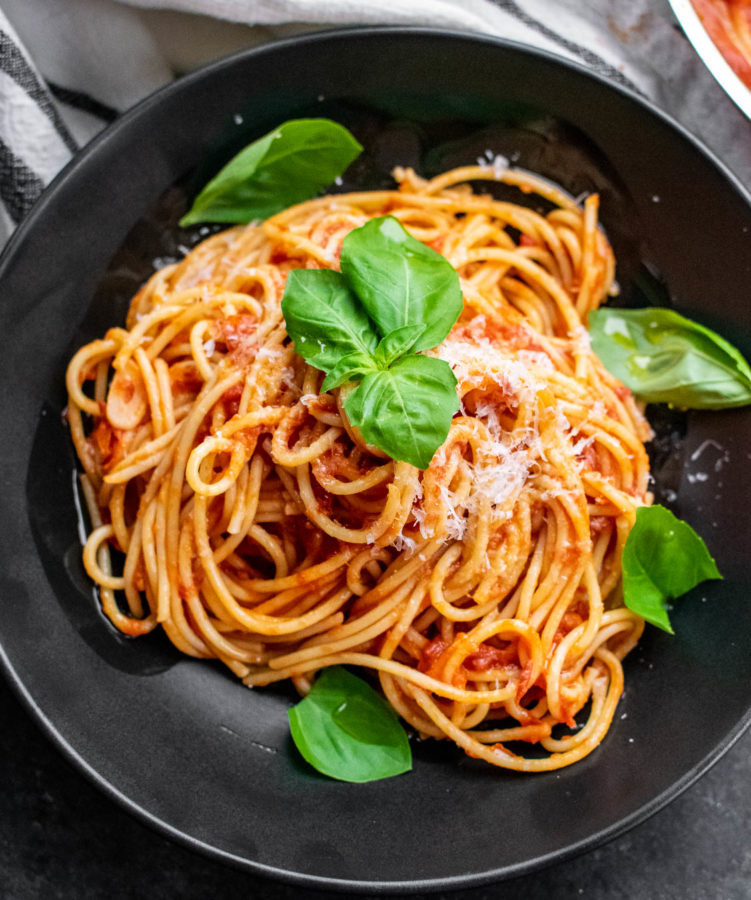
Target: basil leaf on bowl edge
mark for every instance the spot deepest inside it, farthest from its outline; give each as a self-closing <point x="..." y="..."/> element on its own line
<point x="291" y="163"/>
<point x="347" y="731"/>
<point x="663" y="558"/>
<point x="663" y="357"/>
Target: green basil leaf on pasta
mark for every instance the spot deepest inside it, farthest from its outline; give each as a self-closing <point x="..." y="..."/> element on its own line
<point x="396" y="344"/>
<point x="290" y="164"/>
<point x="325" y="319"/>
<point x="406" y="410"/>
<point x="349" y="368"/>
<point x="393" y="297"/>
<point x="663" y="558"/>
<point x="401" y="282"/>
<point x="345" y="730"/>
<point x="666" y="358"/>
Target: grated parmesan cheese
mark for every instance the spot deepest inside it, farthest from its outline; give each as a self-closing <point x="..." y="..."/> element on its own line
<point x="402" y="542"/>
<point x="495" y="161"/>
<point x="478" y="361"/>
<point x="506" y="460"/>
<point x="581" y="339"/>
<point x="581" y="445"/>
<point x="536" y="358"/>
<point x="272" y="353"/>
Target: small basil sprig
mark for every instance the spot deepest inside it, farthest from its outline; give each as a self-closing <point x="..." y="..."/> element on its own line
<point x="664" y="357"/>
<point x="393" y="297"/>
<point x="286" y="166"/>
<point x="344" y="729"/>
<point x="663" y="558"/>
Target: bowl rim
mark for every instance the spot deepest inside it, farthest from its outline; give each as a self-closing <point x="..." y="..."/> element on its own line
<point x="453" y="882"/>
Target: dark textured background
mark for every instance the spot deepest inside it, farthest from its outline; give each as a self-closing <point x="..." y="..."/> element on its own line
<point x="60" y="838"/>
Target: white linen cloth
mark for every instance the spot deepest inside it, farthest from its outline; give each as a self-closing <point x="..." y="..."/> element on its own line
<point x="68" y="67"/>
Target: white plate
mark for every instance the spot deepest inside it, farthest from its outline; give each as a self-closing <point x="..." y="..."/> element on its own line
<point x="711" y="55"/>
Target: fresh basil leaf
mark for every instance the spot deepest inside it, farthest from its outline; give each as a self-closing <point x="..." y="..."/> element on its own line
<point x="286" y="166"/>
<point x="663" y="558"/>
<point x="400" y="281"/>
<point x="344" y="729"/>
<point x="324" y="318"/>
<point x="396" y="344"/>
<point x="666" y="358"/>
<point x="349" y="367"/>
<point x="406" y="410"/>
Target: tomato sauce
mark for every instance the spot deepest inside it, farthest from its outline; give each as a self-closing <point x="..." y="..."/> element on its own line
<point x="728" y="23"/>
<point x="239" y="334"/>
<point x="110" y="444"/>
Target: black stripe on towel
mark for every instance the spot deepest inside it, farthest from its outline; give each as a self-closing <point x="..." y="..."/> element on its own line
<point x="85" y="102"/>
<point x="19" y="186"/>
<point x="14" y="64"/>
<point x="592" y="59"/>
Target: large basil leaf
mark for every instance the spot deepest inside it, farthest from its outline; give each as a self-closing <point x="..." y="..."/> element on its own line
<point x="663" y="558"/>
<point x="406" y="410"/>
<point x="666" y="358"/>
<point x="324" y="318"/>
<point x="400" y="281"/>
<point x="344" y="729"/>
<point x="290" y="164"/>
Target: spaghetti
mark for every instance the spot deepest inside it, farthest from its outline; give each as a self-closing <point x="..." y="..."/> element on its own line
<point x="257" y="528"/>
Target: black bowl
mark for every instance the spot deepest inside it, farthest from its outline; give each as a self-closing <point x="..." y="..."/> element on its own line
<point x="180" y="742"/>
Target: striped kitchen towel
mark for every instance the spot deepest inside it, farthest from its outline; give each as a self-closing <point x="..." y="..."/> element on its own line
<point x="69" y="67"/>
